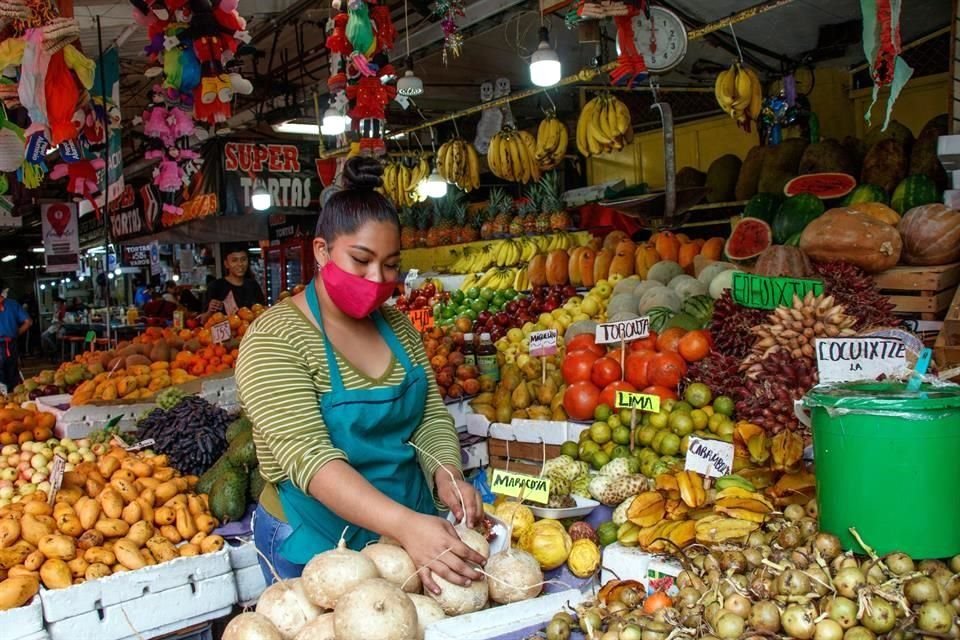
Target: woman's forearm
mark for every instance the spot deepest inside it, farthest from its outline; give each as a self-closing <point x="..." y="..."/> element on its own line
<point x="348" y="494"/>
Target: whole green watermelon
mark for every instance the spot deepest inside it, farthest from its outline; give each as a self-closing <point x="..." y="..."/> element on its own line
<point x="764" y="206"/>
<point x="794" y="215"/>
<point x="914" y="191"/>
<point x="866" y="193"/>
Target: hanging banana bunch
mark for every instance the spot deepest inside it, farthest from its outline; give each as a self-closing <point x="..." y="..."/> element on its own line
<point x="739" y="93"/>
<point x="401" y="183"/>
<point x="604" y="126"/>
<point x="513" y="156"/>
<point x="459" y="164"/>
<point x="551" y="142"/>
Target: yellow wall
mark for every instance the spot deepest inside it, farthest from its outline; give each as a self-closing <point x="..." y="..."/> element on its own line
<point x="840" y="112"/>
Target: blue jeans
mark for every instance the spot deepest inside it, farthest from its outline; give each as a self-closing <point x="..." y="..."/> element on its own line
<point x="268" y="534"/>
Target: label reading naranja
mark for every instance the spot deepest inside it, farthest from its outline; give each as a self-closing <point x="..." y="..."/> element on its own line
<point x="762" y="292"/>
<point x="220" y="332"/>
<point x="532" y="488"/>
<point x="543" y="343"/>
<point x="852" y="359"/>
<point x="638" y="401"/>
<point x="713" y="458"/>
<point x="422" y="319"/>
<point x="623" y="331"/>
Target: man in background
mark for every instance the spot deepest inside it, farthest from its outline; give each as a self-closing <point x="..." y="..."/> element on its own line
<point x="14" y="322"/>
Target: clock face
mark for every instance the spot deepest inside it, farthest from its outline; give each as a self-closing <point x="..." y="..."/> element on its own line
<point x="661" y="40"/>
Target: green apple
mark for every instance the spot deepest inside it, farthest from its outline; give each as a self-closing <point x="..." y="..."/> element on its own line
<point x="515" y="335"/>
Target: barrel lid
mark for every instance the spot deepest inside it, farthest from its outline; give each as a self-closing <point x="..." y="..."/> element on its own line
<point x="883" y="396"/>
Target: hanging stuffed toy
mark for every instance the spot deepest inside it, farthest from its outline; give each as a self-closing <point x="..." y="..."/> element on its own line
<point x="501" y="89"/>
<point x="361" y="36"/>
<point x="882" y="46"/>
<point x="82" y="179"/>
<point x="491" y="121"/>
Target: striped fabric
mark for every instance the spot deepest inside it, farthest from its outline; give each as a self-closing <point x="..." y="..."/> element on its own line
<point x="281" y="373"/>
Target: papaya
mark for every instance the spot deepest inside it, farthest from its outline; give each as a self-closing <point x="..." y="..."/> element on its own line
<point x="601" y="265"/>
<point x="644" y="258"/>
<point x="613" y="239"/>
<point x="537" y="270"/>
<point x="573" y="267"/>
<point x="587" y="261"/>
<point x="557" y="267"/>
<point x="623" y="262"/>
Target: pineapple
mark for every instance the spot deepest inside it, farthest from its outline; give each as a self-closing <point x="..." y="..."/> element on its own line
<point x="470" y="228"/>
<point x="515" y="229"/>
<point x="552" y="202"/>
<point x="422" y="216"/>
<point x="458" y="215"/>
<point x="408" y="229"/>
<point x="499" y="208"/>
<point x="527" y="214"/>
<point x="485" y="220"/>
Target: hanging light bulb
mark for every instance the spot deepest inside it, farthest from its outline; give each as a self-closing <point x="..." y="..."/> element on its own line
<point x="435" y="186"/>
<point x="334" y="123"/>
<point x="409" y="84"/>
<point x="260" y="199"/>
<point x="545" y="70"/>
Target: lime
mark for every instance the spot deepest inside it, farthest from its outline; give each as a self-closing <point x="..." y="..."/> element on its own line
<point x="646" y="467"/>
<point x="682" y="424"/>
<point x="645" y="435"/>
<point x="620" y="451"/>
<point x="682" y="406"/>
<point x="621" y="435"/>
<point x="588" y="449"/>
<point x="667" y="405"/>
<point x="614" y="421"/>
<point x="670" y="445"/>
<point x="715" y="421"/>
<point x="569" y="449"/>
<point x="726" y="429"/>
<point x="684" y="444"/>
<point x="584" y="435"/>
<point x="473" y="293"/>
<point x="510" y="293"/>
<point x="600" y="432"/>
<point x="456" y="296"/>
<point x="608" y="447"/>
<point x="487" y="294"/>
<point x="698" y="395"/>
<point x="470" y="313"/>
<point x="607" y="533"/>
<point x="599" y="459"/>
<point x="602" y="413"/>
<point x="647" y="454"/>
<point x="659" y="420"/>
<point x="724" y="405"/>
<point x="700" y="418"/>
<point x="625" y="416"/>
<point x="657" y="443"/>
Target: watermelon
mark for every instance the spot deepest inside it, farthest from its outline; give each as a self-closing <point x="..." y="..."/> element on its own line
<point x="748" y="240"/>
<point x="659" y="317"/>
<point x="763" y="206"/>
<point x="826" y="186"/>
<point x="684" y="321"/>
<point x="794" y="215"/>
<point x="914" y="191"/>
<point x="700" y="307"/>
<point x="866" y="193"/>
<point x="794" y="240"/>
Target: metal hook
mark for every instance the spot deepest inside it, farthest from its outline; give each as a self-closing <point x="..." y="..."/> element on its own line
<point x="736" y="44"/>
<point x="417" y="138"/>
<point x="456" y="130"/>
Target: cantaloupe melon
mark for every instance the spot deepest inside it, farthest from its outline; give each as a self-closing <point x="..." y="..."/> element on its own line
<point x="660" y="297"/>
<point x="664" y="271"/>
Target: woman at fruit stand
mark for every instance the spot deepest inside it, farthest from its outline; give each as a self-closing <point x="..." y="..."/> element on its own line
<point x="236" y="283"/>
<point x="337" y="388"/>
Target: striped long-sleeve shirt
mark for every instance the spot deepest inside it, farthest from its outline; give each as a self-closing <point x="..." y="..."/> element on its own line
<point x="281" y="373"/>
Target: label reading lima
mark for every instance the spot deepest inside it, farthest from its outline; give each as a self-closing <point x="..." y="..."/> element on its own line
<point x="638" y="401"/>
<point x="623" y="331"/>
<point x="762" y="292"/>
<point x="533" y="488"/>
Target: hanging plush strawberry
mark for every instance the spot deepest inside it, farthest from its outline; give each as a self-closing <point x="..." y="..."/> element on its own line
<point x="882" y="46"/>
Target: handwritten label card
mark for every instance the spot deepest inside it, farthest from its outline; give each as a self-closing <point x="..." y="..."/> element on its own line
<point x="422" y="319"/>
<point x="762" y="292"/>
<point x="56" y="477"/>
<point x="533" y="488"/>
<point x="230" y="304"/>
<point x="543" y="343"/>
<point x="221" y="332"/>
<point x="623" y="331"/>
<point x="638" y="401"/>
<point x="851" y="359"/>
<point x="713" y="458"/>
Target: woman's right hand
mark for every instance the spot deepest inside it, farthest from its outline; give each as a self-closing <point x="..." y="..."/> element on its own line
<point x="434" y="546"/>
<point x="215" y="306"/>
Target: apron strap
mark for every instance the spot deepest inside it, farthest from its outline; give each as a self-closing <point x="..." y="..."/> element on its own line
<point x="336" y="380"/>
<point x="392" y="341"/>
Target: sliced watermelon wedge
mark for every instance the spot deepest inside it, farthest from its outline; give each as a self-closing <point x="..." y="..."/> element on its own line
<point x="826" y="186"/>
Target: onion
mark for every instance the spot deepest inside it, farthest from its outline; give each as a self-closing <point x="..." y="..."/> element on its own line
<point x="375" y="610"/>
<point x="828" y="630"/>
<point x="251" y="626"/>
<point x="287" y="606"/>
<point x="332" y="573"/>
<point x="428" y="612"/>
<point x="514" y="575"/>
<point x="395" y="565"/>
<point x="456" y="600"/>
<point x="797" y="621"/>
<point x="320" y="628"/>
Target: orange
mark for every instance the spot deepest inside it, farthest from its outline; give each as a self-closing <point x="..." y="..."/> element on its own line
<point x="695" y="345"/>
<point x="670" y="338"/>
<point x="667" y="369"/>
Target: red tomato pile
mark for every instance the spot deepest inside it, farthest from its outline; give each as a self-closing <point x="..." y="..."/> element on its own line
<point x="654" y="365"/>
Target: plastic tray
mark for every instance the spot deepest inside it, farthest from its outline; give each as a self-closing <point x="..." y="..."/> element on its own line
<point x="583" y="508"/>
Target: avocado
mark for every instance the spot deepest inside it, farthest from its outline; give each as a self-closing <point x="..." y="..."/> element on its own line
<point x="228" y="498"/>
<point x="242" y="452"/>
<point x="206" y="481"/>
<point x="257" y="482"/>
<point x="237" y="427"/>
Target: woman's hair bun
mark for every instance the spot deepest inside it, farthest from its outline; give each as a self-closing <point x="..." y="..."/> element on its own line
<point x="361" y="173"/>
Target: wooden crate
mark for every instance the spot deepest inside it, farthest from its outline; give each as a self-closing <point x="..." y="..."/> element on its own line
<point x="947" y="348"/>
<point x="523" y="457"/>
<point x="923" y="292"/>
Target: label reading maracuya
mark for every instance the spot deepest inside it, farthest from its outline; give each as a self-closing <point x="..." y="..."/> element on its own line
<point x="638" y="401"/>
<point x="533" y="488"/>
<point x="867" y="358"/>
<point x="713" y="458"/>
<point x="543" y="343"/>
<point x="762" y="292"/>
<point x="623" y="331"/>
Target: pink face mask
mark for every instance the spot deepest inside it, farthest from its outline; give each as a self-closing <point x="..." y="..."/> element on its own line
<point x="355" y="296"/>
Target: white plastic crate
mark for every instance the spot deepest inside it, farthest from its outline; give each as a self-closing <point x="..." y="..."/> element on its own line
<point x="24" y="622"/>
<point x="246" y="571"/>
<point x="475" y="456"/>
<point x="78" y="422"/>
<point x="478" y="425"/>
<point x="503" y="622"/>
<point x="656" y="573"/>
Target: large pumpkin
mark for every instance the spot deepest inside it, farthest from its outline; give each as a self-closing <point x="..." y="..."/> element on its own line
<point x="854" y="237"/>
<point x="623" y="262"/>
<point x="781" y="260"/>
<point x="931" y="235"/>
<point x="877" y="210"/>
<point x="557" y="272"/>
<point x="537" y="270"/>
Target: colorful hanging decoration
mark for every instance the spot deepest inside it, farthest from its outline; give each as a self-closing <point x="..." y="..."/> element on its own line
<point x="882" y="47"/>
<point x="631" y="66"/>
<point x="449" y="11"/>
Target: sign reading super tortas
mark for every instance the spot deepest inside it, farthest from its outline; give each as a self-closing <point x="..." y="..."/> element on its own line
<point x="287" y="171"/>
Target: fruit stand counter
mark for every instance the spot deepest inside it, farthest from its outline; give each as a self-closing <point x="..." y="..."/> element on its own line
<point x="433" y="259"/>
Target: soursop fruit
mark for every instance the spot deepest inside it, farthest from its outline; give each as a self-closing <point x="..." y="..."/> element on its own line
<point x="612" y="490"/>
<point x="559" y="485"/>
<point x="563" y="466"/>
<point x="561" y="502"/>
<point x="581" y="486"/>
<point x="620" y="467"/>
<point x="619" y="516"/>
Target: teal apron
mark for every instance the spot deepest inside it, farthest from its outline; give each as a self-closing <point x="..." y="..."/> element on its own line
<point x="372" y="427"/>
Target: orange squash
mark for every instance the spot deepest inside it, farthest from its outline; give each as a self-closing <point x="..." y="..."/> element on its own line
<point x="686" y="254"/>
<point x="614" y="238"/>
<point x="683" y="238"/>
<point x="878" y="211"/>
<point x="644" y="258"/>
<point x="587" y="260"/>
<point x="537" y="270"/>
<point x="713" y="249"/>
<point x="668" y="246"/>
<point x="573" y="267"/>
<point x="601" y="266"/>
<point x="623" y="262"/>
<point x="557" y="267"/>
<point x="699" y="242"/>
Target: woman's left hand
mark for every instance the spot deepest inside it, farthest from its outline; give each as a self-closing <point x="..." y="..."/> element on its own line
<point x="450" y="489"/>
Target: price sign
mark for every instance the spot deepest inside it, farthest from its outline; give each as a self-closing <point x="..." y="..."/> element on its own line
<point x="533" y="488"/>
<point x="422" y="319"/>
<point x="56" y="476"/>
<point x="638" y="401"/>
<point x="623" y="331"/>
<point x="230" y="304"/>
<point x="713" y="458"/>
<point x="851" y="359"/>
<point x="762" y="292"/>
<point x="90" y="337"/>
<point x="143" y="444"/>
<point x="221" y="332"/>
<point x="543" y="343"/>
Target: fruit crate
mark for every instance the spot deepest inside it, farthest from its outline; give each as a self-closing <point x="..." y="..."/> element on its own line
<point x="26" y="622"/>
<point x="947" y="347"/>
<point x="246" y="570"/>
<point x="923" y="292"/>
<point x="517" y="621"/>
<point x="522" y="457"/>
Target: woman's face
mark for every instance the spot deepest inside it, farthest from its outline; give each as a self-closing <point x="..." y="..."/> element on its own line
<point x="371" y="252"/>
<point x="237" y="264"/>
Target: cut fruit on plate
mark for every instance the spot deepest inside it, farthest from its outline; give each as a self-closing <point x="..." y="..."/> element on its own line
<point x="584" y="507"/>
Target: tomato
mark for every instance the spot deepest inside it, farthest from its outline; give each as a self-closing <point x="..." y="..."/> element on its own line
<point x="585" y="342"/>
<point x="663" y="392"/>
<point x="650" y="342"/>
<point x="578" y="365"/>
<point x="667" y="369"/>
<point x="637" y="368"/>
<point x="609" y="394"/>
<point x="695" y="345"/>
<point x="605" y="371"/>
<point x="668" y="340"/>
<point x="580" y="400"/>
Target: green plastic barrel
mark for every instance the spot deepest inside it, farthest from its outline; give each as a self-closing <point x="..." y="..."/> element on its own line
<point x="888" y="464"/>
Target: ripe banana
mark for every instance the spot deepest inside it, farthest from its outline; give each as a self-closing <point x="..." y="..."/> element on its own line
<point x="458" y="164"/>
<point x="739" y="93"/>
<point x="551" y="144"/>
<point x="513" y="156"/>
<point x="604" y="126"/>
<point x="401" y="182"/>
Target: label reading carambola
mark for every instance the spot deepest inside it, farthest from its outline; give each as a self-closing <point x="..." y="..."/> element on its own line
<point x="762" y="292"/>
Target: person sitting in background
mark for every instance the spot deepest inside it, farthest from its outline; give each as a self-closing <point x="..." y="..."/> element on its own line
<point x="48" y="340"/>
<point x="159" y="308"/>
